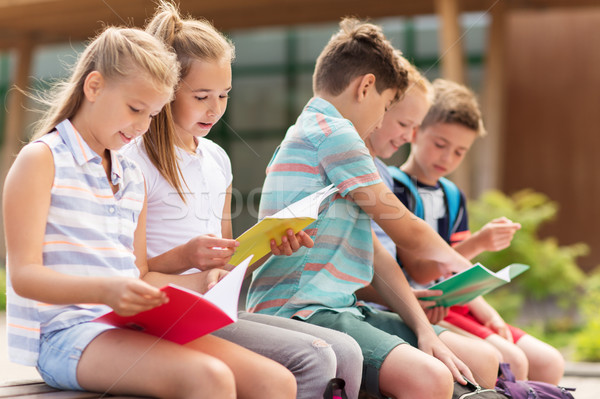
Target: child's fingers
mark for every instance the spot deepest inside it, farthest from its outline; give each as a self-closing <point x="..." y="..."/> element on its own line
<point x="426" y="305"/>
<point x="427" y="293"/>
<point x="221" y="242"/>
<point x="141" y="289"/>
<point x="213" y="277"/>
<point x="293" y="241"/>
<point x="219" y="252"/>
<point x="304" y="239"/>
<point x="274" y="248"/>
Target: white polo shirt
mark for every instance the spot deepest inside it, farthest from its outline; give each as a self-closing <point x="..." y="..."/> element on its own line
<point x="170" y="221"/>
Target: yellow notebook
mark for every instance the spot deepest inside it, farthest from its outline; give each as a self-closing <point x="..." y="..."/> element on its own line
<point x="256" y="240"/>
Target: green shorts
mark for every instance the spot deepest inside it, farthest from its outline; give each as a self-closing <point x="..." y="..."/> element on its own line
<point x="377" y="334"/>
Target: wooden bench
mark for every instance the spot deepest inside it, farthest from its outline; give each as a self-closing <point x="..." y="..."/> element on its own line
<point x="40" y="390"/>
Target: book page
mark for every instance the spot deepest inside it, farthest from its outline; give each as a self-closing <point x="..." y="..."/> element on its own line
<point x="471" y="283"/>
<point x="225" y="294"/>
<point x="256" y="240"/>
<point x="307" y="206"/>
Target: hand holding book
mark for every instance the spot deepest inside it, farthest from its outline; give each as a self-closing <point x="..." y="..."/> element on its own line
<point x="473" y="282"/>
<point x="188" y="315"/>
<point x="256" y="240"/>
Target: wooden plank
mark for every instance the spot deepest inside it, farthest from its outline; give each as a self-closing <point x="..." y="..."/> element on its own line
<point x="452" y="62"/>
<point x="16" y="390"/>
<point x="14" y="128"/>
<point x="41" y="390"/>
<point x="46" y="18"/>
<point x="488" y="159"/>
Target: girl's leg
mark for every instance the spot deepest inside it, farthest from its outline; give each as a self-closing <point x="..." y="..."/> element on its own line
<point x="478" y="355"/>
<point x="255" y="375"/>
<point x="512" y="355"/>
<point x="409" y="373"/>
<point x="131" y="363"/>
<point x="545" y="362"/>
<point x="310" y="359"/>
<point x="341" y="358"/>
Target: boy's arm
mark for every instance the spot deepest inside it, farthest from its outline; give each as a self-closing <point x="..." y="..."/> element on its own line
<point x="390" y="283"/>
<point x="412" y="235"/>
<point x="422" y="271"/>
<point x="494" y="236"/>
<point x="489" y="317"/>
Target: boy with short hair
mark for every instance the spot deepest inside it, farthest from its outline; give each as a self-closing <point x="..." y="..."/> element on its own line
<point x="357" y="77"/>
<point x="438" y="147"/>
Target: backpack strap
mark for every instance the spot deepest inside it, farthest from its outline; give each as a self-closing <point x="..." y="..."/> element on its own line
<point x="452" y="195"/>
<point x="409" y="183"/>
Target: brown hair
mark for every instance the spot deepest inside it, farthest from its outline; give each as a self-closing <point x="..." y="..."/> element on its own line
<point x="454" y="103"/>
<point x="416" y="81"/>
<point x="190" y="39"/>
<point x="115" y="53"/>
<point x="357" y="49"/>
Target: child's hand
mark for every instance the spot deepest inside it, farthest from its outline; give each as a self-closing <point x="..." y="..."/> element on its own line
<point x="489" y="317"/>
<point x="498" y="326"/>
<point x="291" y="243"/>
<point x="207" y="252"/>
<point x="129" y="296"/>
<point x="434" y="314"/>
<point x="432" y="345"/>
<point x="497" y="234"/>
<point x="207" y="279"/>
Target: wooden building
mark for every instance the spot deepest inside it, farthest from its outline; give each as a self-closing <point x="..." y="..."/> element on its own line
<point x="539" y="90"/>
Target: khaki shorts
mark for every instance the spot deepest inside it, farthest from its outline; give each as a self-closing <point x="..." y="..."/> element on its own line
<point x="377" y="334"/>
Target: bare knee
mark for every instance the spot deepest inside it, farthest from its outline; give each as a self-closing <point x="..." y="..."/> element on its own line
<point x="488" y="361"/>
<point x="437" y="382"/>
<point x="204" y="377"/>
<point x="519" y="364"/>
<point x="548" y="365"/>
<point x="280" y="384"/>
<point x="409" y="373"/>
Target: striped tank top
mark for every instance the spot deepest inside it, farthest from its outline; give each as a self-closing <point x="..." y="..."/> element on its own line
<point x="89" y="232"/>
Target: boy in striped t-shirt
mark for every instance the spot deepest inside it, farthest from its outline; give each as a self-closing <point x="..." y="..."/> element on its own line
<point x="357" y="77"/>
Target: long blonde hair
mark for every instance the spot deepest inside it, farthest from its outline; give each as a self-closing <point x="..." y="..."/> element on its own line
<point x="116" y="52"/>
<point x="190" y="39"/>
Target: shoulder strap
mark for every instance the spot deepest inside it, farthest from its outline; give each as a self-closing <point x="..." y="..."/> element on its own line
<point x="408" y="182"/>
<point x="452" y="194"/>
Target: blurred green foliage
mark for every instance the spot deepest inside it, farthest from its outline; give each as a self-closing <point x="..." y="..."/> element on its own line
<point x="2" y="289"/>
<point x="554" y="274"/>
<point x="587" y="341"/>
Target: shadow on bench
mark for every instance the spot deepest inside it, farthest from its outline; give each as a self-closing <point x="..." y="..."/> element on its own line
<point x="41" y="390"/>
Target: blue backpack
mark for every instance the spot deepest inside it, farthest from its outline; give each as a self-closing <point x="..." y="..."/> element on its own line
<point x="451" y="195"/>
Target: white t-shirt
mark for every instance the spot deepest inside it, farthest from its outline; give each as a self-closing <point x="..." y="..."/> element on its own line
<point x="170" y="221"/>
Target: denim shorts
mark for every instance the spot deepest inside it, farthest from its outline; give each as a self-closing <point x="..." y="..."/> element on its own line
<point x="61" y="350"/>
<point x="376" y="333"/>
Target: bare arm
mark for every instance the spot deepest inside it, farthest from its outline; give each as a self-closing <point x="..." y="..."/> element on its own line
<point x="420" y="270"/>
<point x="494" y="236"/>
<point x="26" y="207"/>
<point x="411" y="234"/>
<point x="489" y="317"/>
<point x="200" y="282"/>
<point x="390" y="283"/>
<point x="203" y="252"/>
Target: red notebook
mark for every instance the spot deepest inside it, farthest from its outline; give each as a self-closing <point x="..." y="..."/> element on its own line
<point x="188" y="315"/>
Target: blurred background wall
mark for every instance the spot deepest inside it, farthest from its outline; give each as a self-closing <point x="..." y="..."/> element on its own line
<point x="536" y="71"/>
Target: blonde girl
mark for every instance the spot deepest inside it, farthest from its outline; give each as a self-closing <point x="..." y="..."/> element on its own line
<point x="189" y="202"/>
<point x="74" y="212"/>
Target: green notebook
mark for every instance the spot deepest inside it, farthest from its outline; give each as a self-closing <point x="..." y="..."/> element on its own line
<point x="473" y="282"/>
